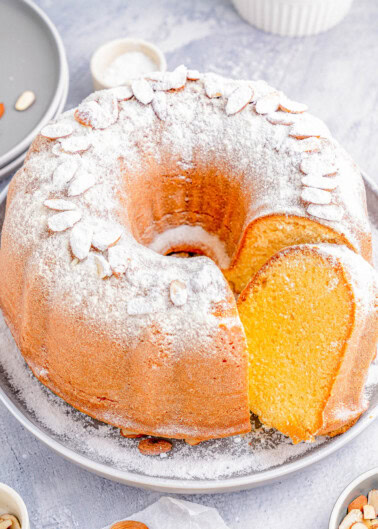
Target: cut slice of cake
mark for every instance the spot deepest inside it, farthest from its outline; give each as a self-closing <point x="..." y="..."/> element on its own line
<point x="310" y="317"/>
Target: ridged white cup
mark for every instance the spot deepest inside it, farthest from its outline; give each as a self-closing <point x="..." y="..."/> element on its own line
<point x="293" y="18"/>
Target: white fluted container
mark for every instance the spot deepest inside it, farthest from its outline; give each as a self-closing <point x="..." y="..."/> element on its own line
<point x="293" y="18"/>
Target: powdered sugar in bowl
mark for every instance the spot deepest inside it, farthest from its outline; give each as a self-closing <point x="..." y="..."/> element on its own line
<point x="118" y="61"/>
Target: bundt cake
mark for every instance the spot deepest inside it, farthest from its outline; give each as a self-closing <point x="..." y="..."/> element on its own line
<point x="176" y="162"/>
<point x="310" y="318"/>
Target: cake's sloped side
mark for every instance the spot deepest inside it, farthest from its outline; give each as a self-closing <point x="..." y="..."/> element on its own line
<point x="310" y="317"/>
<point x="152" y="387"/>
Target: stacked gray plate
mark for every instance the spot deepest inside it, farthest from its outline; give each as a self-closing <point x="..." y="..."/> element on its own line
<point x="32" y="57"/>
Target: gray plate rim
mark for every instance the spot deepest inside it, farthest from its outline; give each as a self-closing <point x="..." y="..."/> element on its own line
<point x="24" y="144"/>
<point x="182" y="486"/>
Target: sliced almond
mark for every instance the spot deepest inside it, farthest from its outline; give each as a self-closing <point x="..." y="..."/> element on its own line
<point x="193" y="75"/>
<point x="25" y="100"/>
<point x="57" y="150"/>
<point x="142" y="91"/>
<point x="239" y="99"/>
<point x="81" y="240"/>
<point x="287" y="105"/>
<point x="63" y="221"/>
<point x="88" y="113"/>
<point x="177" y="78"/>
<point x="281" y="118"/>
<point x="329" y="212"/>
<point x="159" y="105"/>
<point x="321" y="182"/>
<point x="98" y="114"/>
<point x="368" y="512"/>
<point x="309" y="128"/>
<point x="83" y="181"/>
<point x="268" y="104"/>
<point x="59" y="204"/>
<point x="178" y="292"/>
<point x="106" y="237"/>
<point x="355" y="515"/>
<point x="65" y="172"/>
<point x="214" y="86"/>
<point x="109" y="104"/>
<point x="316" y="196"/>
<point x="129" y="524"/>
<point x="61" y="129"/>
<point x="154" y="446"/>
<point x="155" y="76"/>
<point x="161" y="80"/>
<point x="318" y="165"/>
<point x="102" y="265"/>
<point x="75" y="144"/>
<point x="307" y="145"/>
<point x="172" y="80"/>
<point x="118" y="257"/>
<point x="122" y="93"/>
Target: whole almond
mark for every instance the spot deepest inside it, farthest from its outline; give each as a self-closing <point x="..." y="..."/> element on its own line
<point x="154" y="446"/>
<point x="25" y="100"/>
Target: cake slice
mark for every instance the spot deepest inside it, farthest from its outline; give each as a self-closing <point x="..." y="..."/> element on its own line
<point x="310" y="317"/>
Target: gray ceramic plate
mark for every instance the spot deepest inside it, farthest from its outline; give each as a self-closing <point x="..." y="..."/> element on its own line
<point x="32" y="57"/>
<point x="14" y="164"/>
<point x="215" y="466"/>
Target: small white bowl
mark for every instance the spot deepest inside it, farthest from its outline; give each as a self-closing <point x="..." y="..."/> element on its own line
<point x="12" y="503"/>
<point x="361" y="485"/>
<point x="293" y="18"/>
<point x="107" y="53"/>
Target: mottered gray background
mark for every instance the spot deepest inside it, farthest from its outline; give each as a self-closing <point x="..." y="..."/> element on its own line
<point x="336" y="74"/>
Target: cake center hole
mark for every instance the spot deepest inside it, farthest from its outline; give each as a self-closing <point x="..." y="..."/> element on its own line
<point x="198" y="210"/>
<point x="190" y="241"/>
